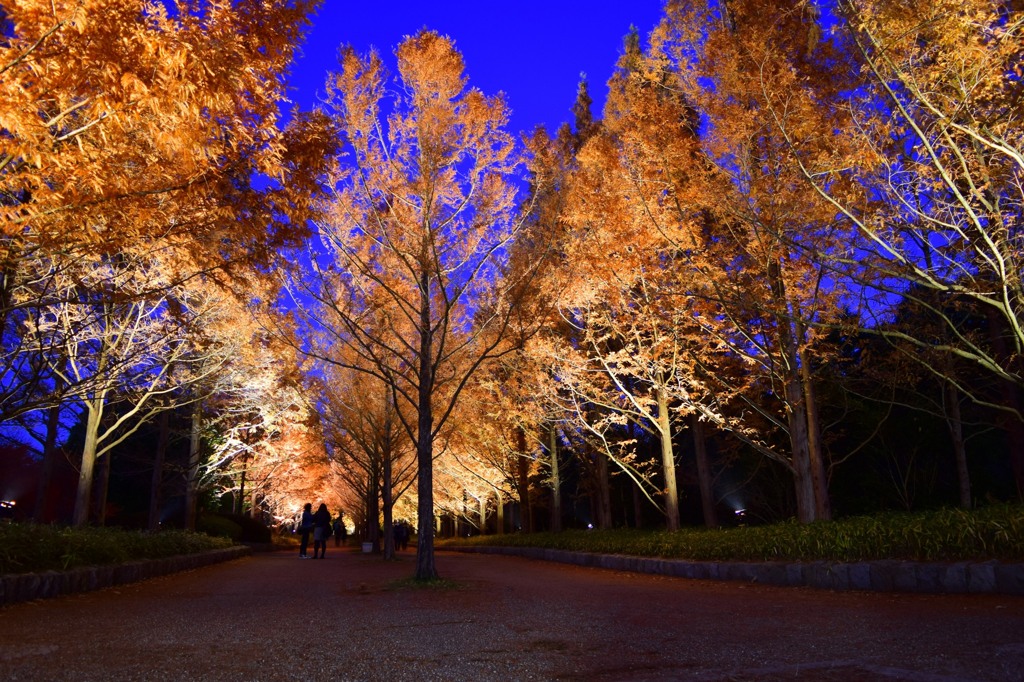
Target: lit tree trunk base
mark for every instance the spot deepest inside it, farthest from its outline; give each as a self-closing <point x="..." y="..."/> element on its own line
<point x="556" y="483"/>
<point x="156" y="481"/>
<point x="668" y="463"/>
<point x="707" y="493"/>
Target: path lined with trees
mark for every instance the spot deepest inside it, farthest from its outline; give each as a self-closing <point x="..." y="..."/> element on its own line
<point x="272" y="616"/>
<point x="779" y="275"/>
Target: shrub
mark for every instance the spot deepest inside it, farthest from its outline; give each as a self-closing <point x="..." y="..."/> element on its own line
<point x="31" y="548"/>
<point x="995" y="532"/>
<point x="253" y="530"/>
<point x="218" y="525"/>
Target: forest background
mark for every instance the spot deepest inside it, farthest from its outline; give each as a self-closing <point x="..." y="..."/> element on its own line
<point x="778" y="276"/>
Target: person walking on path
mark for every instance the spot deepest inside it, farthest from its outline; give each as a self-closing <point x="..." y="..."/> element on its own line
<point x="339" y="528"/>
<point x="305" y="527"/>
<point x="321" y="530"/>
<point x="402" y="539"/>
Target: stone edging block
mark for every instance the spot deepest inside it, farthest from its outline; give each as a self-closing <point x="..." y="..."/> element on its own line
<point x="21" y="587"/>
<point x="982" y="577"/>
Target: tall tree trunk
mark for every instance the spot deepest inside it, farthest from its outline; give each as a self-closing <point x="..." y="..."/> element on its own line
<point x="796" y="404"/>
<point x="426" y="568"/>
<point x="194" y="461"/>
<point x="101" y="487"/>
<point x="46" y="467"/>
<point x="483" y="514"/>
<point x="815" y="451"/>
<point x="525" y="508"/>
<point x="707" y="490"/>
<point x="802" y="481"/>
<point x="157" y="479"/>
<point x="954" y="421"/>
<point x="83" y="496"/>
<point x="1012" y="424"/>
<point x="389" y="502"/>
<point x="556" y="482"/>
<point x="638" y="507"/>
<point x="500" y="509"/>
<point x="668" y="462"/>
<point x="604" y="493"/>
<point x="373" y="529"/>
<point x="238" y="499"/>
<point x="1015" y="435"/>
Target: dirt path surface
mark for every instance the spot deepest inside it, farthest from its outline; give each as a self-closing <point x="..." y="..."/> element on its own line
<point x="276" y="617"/>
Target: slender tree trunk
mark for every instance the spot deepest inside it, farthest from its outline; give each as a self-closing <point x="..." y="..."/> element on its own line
<point x="83" y="496"/>
<point x="668" y="462"/>
<point x="796" y="405"/>
<point x="802" y="481"/>
<point x="157" y="479"/>
<point x="483" y="514"/>
<point x="819" y="474"/>
<point x="46" y="467"/>
<point x="556" y="482"/>
<point x="525" y="508"/>
<point x="604" y="493"/>
<point x="388" y="495"/>
<point x="426" y="568"/>
<point x="1015" y="436"/>
<point x="1013" y="425"/>
<point x="373" y="514"/>
<point x="707" y="491"/>
<point x="238" y="499"/>
<point x="194" y="461"/>
<point x="954" y="422"/>
<point x="101" y="487"/>
<point x="500" y="510"/>
<point x="638" y="507"/>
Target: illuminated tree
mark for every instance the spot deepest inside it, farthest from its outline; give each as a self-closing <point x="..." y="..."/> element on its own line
<point x="733" y="63"/>
<point x="132" y="133"/>
<point x="124" y="121"/>
<point x="937" y="141"/>
<point x="423" y="209"/>
<point x="369" y="448"/>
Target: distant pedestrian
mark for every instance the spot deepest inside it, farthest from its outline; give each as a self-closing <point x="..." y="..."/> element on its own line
<point x="402" y="535"/>
<point x="321" y="530"/>
<point x="339" y="528"/>
<point x="305" y="528"/>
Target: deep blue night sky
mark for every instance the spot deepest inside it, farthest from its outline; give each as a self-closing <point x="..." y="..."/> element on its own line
<point x="532" y="50"/>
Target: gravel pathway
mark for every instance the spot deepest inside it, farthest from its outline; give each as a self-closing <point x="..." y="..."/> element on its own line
<point x="350" y="617"/>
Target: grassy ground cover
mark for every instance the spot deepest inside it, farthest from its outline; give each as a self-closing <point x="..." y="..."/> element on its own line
<point x="995" y="532"/>
<point x="31" y="548"/>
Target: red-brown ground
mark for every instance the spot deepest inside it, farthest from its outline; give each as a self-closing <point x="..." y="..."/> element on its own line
<point x="276" y="617"/>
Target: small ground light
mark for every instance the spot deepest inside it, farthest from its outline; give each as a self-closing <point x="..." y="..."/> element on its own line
<point x="590" y="526"/>
<point x="740" y="513"/>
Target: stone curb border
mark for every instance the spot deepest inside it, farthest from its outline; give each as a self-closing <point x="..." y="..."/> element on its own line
<point x="28" y="586"/>
<point x="962" y="577"/>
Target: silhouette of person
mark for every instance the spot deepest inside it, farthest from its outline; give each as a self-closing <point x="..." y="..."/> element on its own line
<point x="339" y="528"/>
<point x="321" y="530"/>
<point x="305" y="527"/>
<point x="403" y="535"/>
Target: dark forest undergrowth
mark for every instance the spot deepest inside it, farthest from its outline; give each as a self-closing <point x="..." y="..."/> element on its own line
<point x="995" y="532"/>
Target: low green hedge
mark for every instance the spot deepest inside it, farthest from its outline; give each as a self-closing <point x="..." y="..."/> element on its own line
<point x="219" y="526"/>
<point x="31" y="548"/>
<point x="995" y="532"/>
